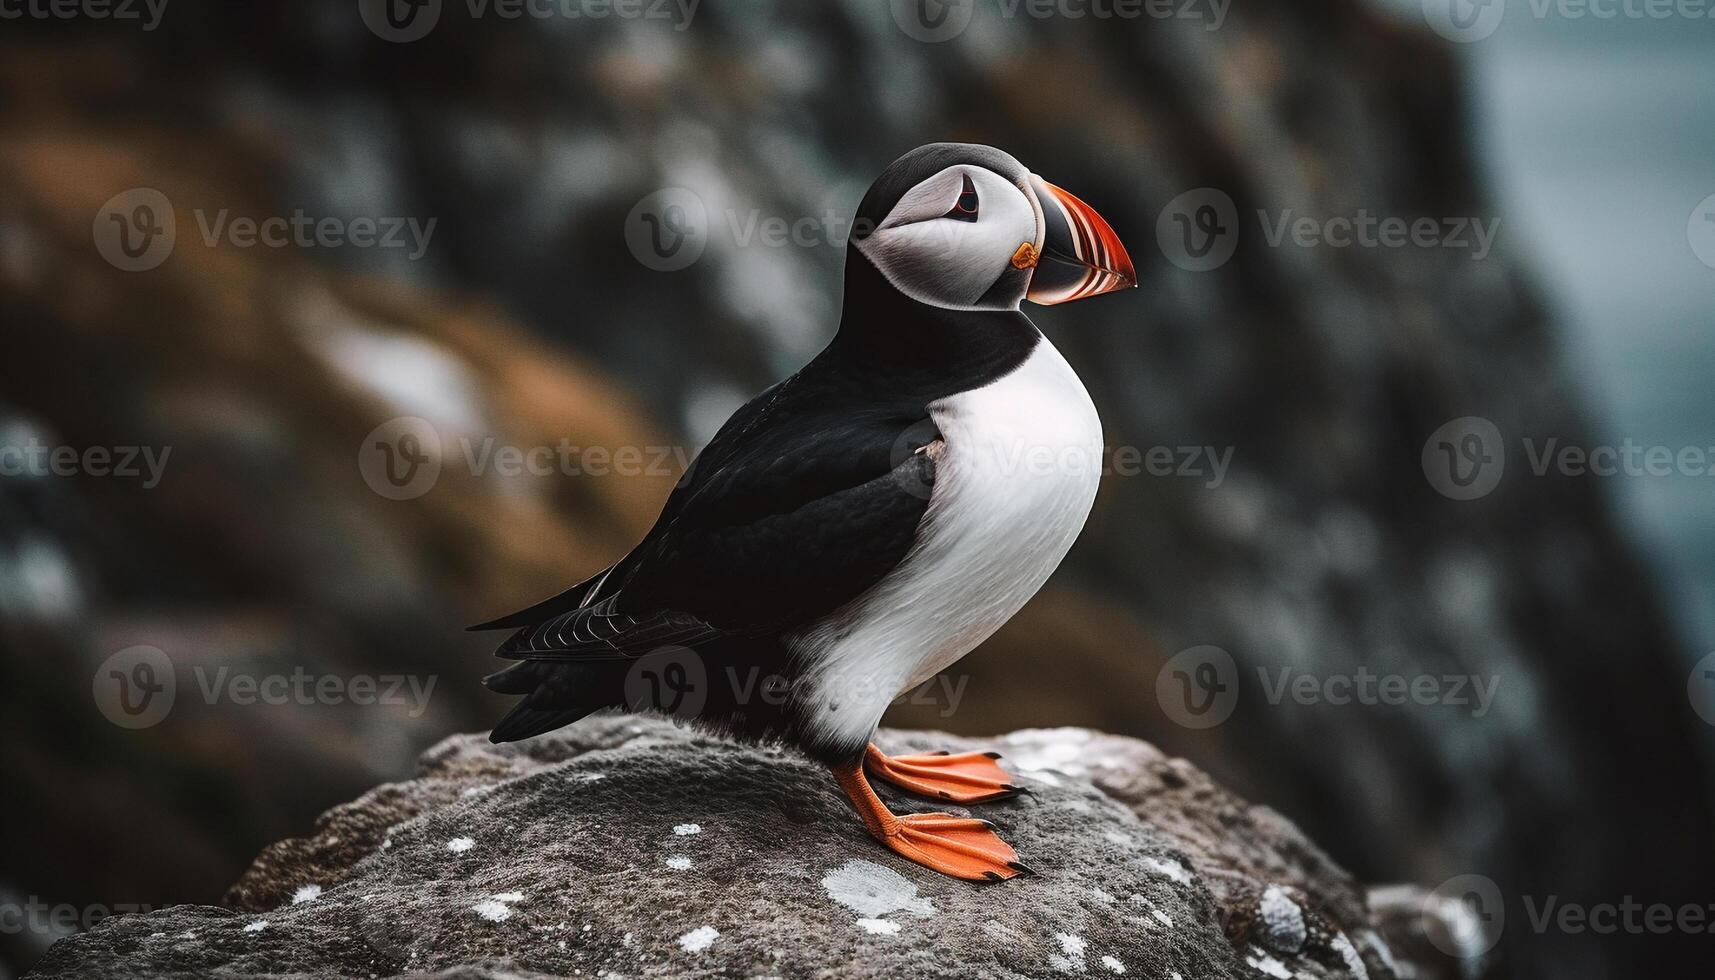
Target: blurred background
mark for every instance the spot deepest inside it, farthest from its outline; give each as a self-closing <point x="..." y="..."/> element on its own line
<point x="253" y="483"/>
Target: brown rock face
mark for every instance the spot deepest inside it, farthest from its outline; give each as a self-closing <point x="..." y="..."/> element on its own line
<point x="625" y="847"/>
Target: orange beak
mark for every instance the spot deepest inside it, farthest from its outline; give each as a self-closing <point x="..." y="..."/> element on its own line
<point x="1081" y="256"/>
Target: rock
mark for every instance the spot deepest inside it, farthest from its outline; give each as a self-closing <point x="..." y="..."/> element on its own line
<point x="626" y="847"/>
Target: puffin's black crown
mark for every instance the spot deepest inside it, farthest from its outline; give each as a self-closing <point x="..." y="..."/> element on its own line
<point x="919" y="165"/>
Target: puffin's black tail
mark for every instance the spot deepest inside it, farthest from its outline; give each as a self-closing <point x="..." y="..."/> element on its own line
<point x="555" y="695"/>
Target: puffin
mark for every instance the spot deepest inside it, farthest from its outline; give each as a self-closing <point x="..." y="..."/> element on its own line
<point x="860" y="526"/>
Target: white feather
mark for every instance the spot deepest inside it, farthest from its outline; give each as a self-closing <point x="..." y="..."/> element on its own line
<point x="1014" y="482"/>
<point x="943" y="262"/>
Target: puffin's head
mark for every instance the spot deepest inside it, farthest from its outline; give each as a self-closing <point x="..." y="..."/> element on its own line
<point x="967" y="227"/>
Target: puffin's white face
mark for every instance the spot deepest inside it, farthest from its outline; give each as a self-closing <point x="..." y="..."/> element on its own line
<point x="952" y="236"/>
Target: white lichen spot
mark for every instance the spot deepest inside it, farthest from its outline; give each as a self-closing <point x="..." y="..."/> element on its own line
<point x="699" y="939"/>
<point x="497" y="908"/>
<point x="879" y="927"/>
<point x="1116" y="837"/>
<point x="257" y="926"/>
<point x="872" y="891"/>
<point x="1163" y="918"/>
<point x="459" y="845"/>
<point x="1283" y="926"/>
<point x="1169" y="867"/>
<point x="307" y="893"/>
<point x="1349" y="956"/>
<point x="385" y="844"/>
<point x="1072" y="947"/>
<point x="1102" y="896"/>
<point x="1113" y="965"/>
<point x="679" y="862"/>
<point x="1264" y="963"/>
<point x="590" y="777"/>
<point x="687" y="829"/>
<point x="1059" y="749"/>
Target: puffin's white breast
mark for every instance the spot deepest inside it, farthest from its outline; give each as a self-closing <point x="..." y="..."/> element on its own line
<point x="1015" y="476"/>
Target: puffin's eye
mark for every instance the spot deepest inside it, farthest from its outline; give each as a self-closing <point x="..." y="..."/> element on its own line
<point x="965" y="209"/>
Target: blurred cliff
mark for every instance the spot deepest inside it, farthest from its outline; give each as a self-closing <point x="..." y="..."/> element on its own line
<point x="528" y="321"/>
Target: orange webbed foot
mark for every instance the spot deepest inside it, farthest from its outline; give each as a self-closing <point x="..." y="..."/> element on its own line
<point x="961" y="847"/>
<point x="969" y="777"/>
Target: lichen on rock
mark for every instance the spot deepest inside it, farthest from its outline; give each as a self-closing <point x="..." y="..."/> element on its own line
<point x="1145" y="867"/>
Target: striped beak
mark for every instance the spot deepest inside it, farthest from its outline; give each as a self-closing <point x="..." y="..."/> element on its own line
<point x="1081" y="256"/>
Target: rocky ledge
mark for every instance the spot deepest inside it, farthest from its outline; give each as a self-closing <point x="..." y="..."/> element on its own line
<point x="626" y="847"/>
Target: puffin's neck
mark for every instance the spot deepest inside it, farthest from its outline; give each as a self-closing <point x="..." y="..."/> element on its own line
<point x="882" y="328"/>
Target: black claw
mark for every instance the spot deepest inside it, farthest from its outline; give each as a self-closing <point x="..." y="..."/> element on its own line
<point x="940" y="752"/>
<point x="993" y="876"/>
<point x="1015" y="788"/>
<point x="1021" y="868"/>
<point x="992" y="755"/>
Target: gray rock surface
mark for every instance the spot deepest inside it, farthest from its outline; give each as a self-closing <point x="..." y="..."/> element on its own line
<point x="625" y="847"/>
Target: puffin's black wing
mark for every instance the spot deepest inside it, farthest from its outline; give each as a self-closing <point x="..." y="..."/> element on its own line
<point x="798" y="506"/>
